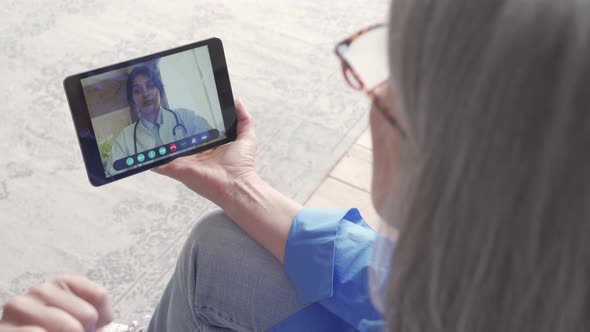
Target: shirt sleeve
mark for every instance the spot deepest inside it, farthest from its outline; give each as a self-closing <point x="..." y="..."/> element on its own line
<point x="327" y="258"/>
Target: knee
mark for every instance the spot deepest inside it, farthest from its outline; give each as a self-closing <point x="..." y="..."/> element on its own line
<point x="212" y="232"/>
<point x="207" y="244"/>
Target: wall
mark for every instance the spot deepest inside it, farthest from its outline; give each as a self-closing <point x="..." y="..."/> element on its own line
<point x="109" y="125"/>
<point x="107" y="103"/>
<point x="189" y="83"/>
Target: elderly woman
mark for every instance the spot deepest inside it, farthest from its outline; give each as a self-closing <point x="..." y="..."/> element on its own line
<point x="157" y="125"/>
<point x="480" y="157"/>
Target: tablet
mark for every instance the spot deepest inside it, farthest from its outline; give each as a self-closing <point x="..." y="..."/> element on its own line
<point x="141" y="113"/>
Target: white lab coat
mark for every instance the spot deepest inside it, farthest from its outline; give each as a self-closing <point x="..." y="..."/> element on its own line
<point x="124" y="144"/>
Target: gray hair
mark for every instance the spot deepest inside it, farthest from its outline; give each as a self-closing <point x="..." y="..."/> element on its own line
<point x="496" y="234"/>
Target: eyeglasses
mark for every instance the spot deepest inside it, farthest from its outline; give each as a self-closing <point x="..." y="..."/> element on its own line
<point x="365" y="66"/>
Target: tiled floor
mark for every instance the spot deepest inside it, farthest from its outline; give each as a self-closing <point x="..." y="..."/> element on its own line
<point x="349" y="182"/>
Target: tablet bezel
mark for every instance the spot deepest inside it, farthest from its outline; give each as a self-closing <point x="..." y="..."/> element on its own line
<point x="83" y="124"/>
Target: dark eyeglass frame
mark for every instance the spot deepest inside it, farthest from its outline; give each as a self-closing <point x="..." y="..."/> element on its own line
<point x="352" y="77"/>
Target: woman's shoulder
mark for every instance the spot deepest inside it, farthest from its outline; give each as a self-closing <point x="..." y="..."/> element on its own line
<point x="181" y="111"/>
<point x="189" y="116"/>
<point x="126" y="132"/>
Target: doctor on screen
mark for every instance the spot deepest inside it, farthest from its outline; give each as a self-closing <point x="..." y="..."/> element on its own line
<point x="156" y="125"/>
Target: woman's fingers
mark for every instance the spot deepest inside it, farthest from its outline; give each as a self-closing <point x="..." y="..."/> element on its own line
<point x="94" y="294"/>
<point x="245" y="131"/>
<point x="173" y="168"/>
<point x="54" y="296"/>
<point x="27" y="310"/>
<point x="7" y="328"/>
<point x="68" y="304"/>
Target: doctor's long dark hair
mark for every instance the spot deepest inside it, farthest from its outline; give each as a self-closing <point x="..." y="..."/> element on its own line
<point x="496" y="234"/>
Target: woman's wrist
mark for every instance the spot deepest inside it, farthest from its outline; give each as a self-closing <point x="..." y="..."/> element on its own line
<point x="260" y="210"/>
<point x="236" y="189"/>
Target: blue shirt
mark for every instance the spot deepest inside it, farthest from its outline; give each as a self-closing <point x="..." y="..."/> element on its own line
<point x="327" y="258"/>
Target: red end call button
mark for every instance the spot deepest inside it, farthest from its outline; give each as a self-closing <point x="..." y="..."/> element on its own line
<point x="172" y="147"/>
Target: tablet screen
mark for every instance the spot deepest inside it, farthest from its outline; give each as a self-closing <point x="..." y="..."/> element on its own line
<point x="154" y="110"/>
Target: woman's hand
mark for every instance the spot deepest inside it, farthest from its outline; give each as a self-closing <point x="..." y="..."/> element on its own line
<point x="212" y="174"/>
<point x="227" y="177"/>
<point x="68" y="303"/>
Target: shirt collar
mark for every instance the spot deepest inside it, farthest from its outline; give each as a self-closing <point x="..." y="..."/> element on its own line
<point x="150" y="126"/>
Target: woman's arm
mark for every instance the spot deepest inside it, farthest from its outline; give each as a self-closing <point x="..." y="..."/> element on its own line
<point x="227" y="177"/>
<point x="264" y="213"/>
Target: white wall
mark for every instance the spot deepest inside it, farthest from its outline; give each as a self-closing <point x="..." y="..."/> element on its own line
<point x="189" y="83"/>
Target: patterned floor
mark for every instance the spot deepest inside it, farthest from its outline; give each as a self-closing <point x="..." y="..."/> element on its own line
<point x="127" y="235"/>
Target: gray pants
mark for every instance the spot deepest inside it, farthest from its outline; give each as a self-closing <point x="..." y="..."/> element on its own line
<point x="224" y="281"/>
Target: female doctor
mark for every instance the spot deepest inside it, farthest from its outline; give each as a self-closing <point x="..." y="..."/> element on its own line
<point x="156" y="125"/>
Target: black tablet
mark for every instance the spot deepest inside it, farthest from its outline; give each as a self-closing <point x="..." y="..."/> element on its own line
<point x="141" y="113"/>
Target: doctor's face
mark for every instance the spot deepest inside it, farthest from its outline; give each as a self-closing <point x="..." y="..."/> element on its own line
<point x="146" y="95"/>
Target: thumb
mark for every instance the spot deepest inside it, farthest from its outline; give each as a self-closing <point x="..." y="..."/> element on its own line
<point x="245" y="121"/>
<point x="173" y="169"/>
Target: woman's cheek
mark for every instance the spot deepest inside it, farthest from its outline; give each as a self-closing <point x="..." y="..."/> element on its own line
<point x="385" y="158"/>
<point x="377" y="183"/>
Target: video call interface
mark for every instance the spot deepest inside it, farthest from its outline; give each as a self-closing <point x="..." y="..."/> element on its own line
<point x="154" y="110"/>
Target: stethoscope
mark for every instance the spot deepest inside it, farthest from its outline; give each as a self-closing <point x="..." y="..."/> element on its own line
<point x="178" y="124"/>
